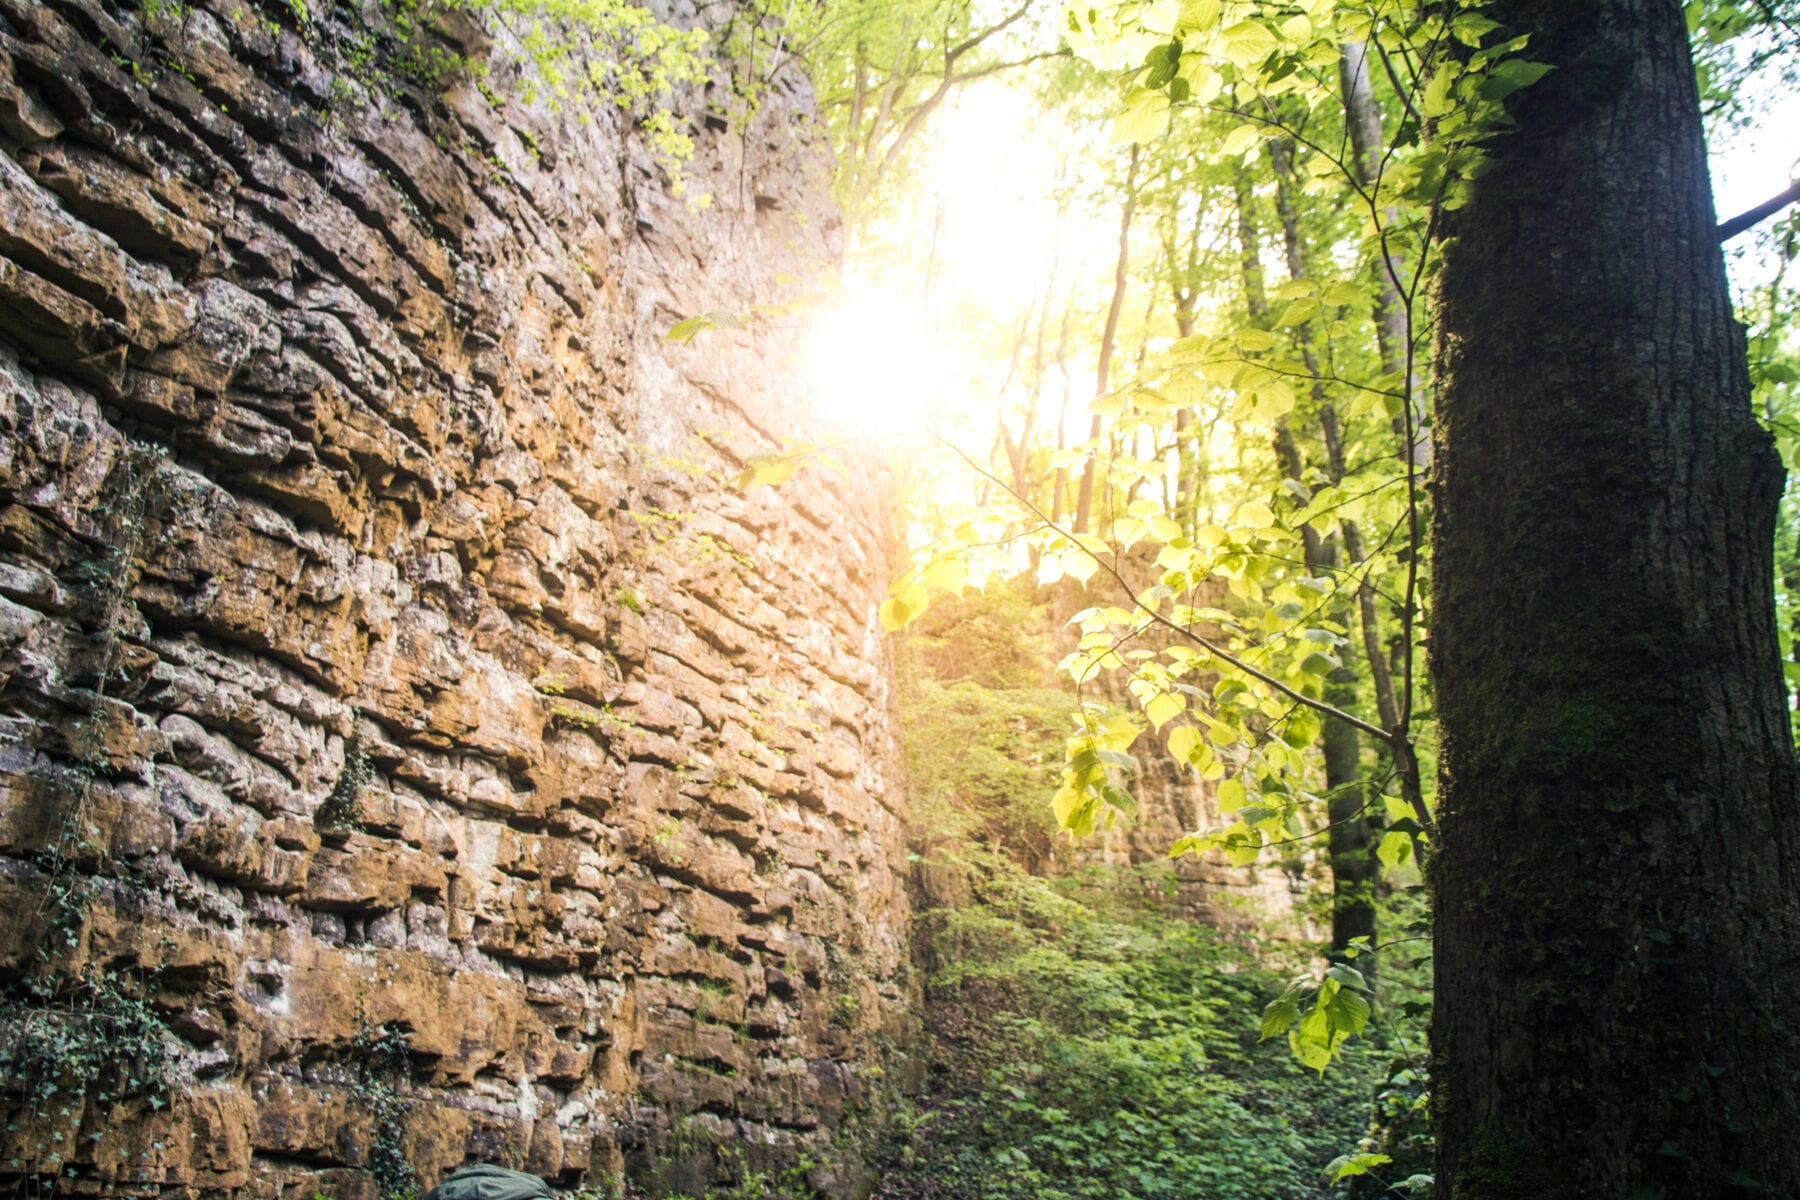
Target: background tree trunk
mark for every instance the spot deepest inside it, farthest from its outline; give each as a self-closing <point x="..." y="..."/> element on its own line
<point x="1618" y="882"/>
<point x="1108" y="338"/>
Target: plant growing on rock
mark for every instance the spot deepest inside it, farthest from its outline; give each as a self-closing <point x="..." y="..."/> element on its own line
<point x="78" y="1035"/>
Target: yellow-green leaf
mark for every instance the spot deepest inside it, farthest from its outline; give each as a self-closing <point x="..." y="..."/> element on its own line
<point x="1239" y="140"/>
<point x="1436" y="101"/>
<point x="895" y="613"/>
<point x="1204" y="83"/>
<point x="1395" y="848"/>
<point x="1248" y="43"/>
<point x="1298" y="313"/>
<point x="1274" y="400"/>
<point x="1196" y="16"/>
<point x="948" y="575"/>
<point x="1146" y="116"/>
<point x="1161" y="16"/>
<point x="1127" y="531"/>
<point x="1165" y="707"/>
<point x="1255" y="514"/>
<point x="1164" y="529"/>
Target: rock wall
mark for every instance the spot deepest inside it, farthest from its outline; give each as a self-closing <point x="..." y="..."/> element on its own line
<point x="407" y="746"/>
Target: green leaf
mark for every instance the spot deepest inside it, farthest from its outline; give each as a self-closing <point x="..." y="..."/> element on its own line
<point x="1347" y="1010"/>
<point x="1507" y="77"/>
<point x="1120" y="799"/>
<point x="1298" y="313"/>
<point x="1319" y="664"/>
<point x="1279" y="1015"/>
<point x="1163" y="60"/>
<point x="1183" y="741"/>
<point x="1356" y="1164"/>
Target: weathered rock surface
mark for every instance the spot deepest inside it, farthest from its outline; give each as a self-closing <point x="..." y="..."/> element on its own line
<point x="375" y="630"/>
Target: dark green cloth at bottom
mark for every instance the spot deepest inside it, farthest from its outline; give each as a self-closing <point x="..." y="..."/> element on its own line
<point x="484" y="1181"/>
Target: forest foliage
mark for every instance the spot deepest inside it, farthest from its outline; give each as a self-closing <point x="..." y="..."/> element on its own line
<point x="1084" y="1038"/>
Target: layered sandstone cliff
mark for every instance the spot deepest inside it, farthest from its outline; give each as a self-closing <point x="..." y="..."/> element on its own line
<point x="394" y="708"/>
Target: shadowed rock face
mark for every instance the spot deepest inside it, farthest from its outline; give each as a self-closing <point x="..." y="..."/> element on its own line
<point x="463" y="770"/>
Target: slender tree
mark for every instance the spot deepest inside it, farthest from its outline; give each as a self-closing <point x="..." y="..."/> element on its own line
<point x="1109" y="337"/>
<point x="1618" y="877"/>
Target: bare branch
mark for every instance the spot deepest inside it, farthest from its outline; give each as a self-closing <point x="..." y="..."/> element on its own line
<point x="1762" y="212"/>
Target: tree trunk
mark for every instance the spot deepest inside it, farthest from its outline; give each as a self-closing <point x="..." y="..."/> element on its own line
<point x="1347" y="834"/>
<point x="1618" y="879"/>
<point x="1084" y="503"/>
<point x="1393" y="318"/>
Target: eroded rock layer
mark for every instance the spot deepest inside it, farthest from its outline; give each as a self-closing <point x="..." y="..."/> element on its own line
<point x="400" y="725"/>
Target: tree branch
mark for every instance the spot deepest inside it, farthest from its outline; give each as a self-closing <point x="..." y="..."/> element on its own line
<point x="1762" y="212"/>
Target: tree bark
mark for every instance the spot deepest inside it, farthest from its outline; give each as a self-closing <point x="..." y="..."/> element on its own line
<point x="1618" y="875"/>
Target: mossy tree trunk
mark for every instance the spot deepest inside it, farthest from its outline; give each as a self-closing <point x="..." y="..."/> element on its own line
<point x="1618" y="881"/>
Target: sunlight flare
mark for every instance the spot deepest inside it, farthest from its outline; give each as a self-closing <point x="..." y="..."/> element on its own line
<point x="872" y="363"/>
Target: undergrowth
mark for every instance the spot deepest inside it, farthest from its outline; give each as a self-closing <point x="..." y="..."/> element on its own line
<point x="1085" y="1047"/>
